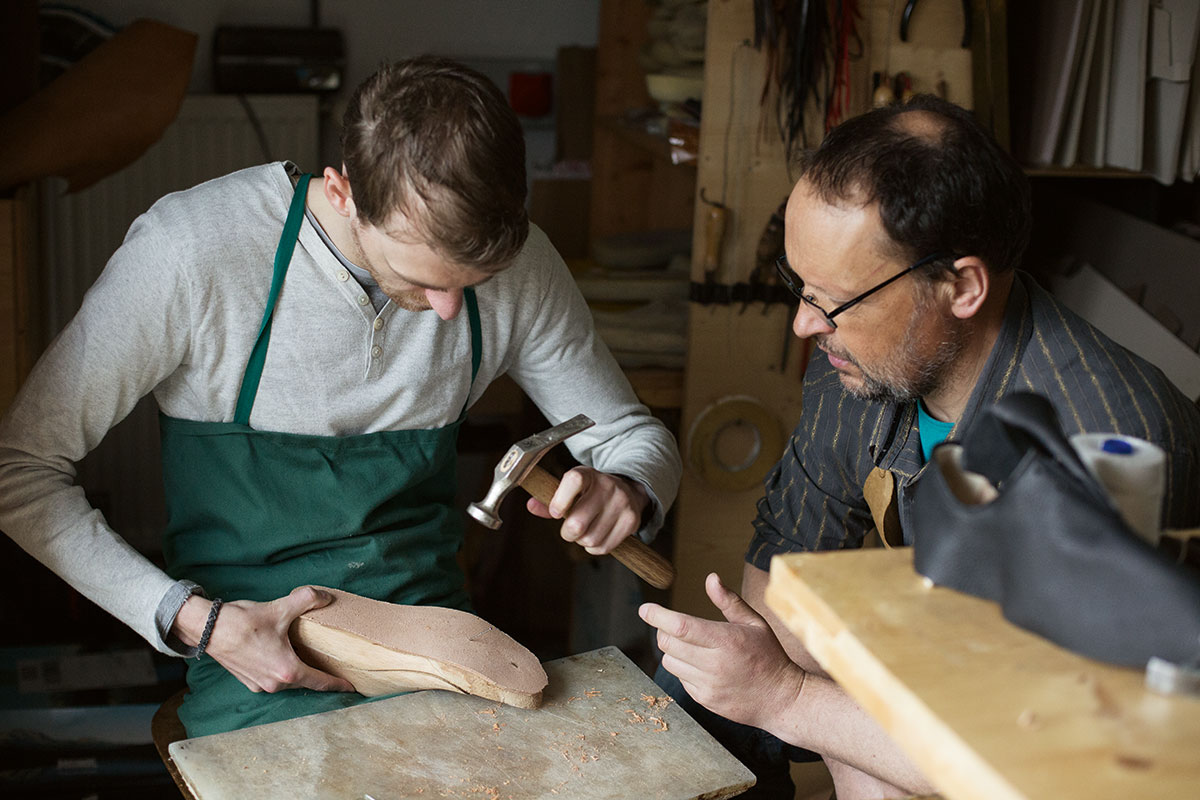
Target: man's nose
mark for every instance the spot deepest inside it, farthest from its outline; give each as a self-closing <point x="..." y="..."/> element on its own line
<point x="809" y="322"/>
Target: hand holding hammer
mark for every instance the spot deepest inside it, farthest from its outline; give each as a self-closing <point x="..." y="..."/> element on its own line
<point x="519" y="467"/>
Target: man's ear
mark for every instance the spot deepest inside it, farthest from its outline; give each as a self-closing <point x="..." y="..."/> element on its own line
<point x="337" y="192"/>
<point x="969" y="288"/>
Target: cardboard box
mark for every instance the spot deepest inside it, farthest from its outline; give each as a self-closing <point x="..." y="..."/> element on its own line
<point x="1154" y="266"/>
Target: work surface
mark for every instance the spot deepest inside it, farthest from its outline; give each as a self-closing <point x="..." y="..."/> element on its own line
<point x="604" y="730"/>
<point x="984" y="708"/>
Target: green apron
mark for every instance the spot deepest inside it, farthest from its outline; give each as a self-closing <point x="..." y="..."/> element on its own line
<point x="253" y="514"/>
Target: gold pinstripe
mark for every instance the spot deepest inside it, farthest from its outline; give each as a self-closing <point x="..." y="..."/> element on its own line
<point x="1015" y="360"/>
<point x="837" y="435"/>
<point x="862" y="431"/>
<point x="1120" y="373"/>
<point x="1062" y="388"/>
<point x="1159" y="401"/>
<point x="1091" y="374"/>
<point x="783" y="493"/>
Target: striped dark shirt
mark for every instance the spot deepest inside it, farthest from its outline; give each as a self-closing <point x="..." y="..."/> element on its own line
<point x="814" y="495"/>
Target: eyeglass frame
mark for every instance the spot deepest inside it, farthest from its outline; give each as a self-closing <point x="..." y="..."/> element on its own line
<point x="786" y="274"/>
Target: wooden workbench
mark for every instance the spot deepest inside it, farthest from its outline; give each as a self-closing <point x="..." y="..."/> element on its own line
<point x="985" y="709"/>
<point x="604" y="731"/>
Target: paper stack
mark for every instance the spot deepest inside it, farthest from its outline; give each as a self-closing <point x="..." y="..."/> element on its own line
<point x="1114" y="86"/>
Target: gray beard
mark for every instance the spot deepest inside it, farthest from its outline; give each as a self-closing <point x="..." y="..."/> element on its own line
<point x="911" y="379"/>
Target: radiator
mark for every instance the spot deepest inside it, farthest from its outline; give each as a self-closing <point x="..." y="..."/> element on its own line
<point x="213" y="135"/>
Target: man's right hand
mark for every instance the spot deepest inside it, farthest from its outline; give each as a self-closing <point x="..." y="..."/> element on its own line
<point x="251" y="640"/>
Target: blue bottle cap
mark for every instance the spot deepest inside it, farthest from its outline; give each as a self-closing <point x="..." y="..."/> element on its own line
<point x="1119" y="446"/>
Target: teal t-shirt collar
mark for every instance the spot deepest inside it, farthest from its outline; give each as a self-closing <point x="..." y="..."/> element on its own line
<point x="933" y="431"/>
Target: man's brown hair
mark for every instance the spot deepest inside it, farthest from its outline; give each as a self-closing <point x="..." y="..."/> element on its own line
<point x="437" y="141"/>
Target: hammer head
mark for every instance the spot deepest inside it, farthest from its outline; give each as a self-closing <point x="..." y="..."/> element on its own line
<point x="517" y="462"/>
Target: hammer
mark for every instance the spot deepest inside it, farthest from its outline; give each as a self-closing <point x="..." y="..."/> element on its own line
<point x="519" y="467"/>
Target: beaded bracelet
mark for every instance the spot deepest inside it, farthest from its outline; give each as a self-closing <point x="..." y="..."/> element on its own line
<point x="208" y="626"/>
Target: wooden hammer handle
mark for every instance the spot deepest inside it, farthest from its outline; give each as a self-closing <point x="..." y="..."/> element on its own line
<point x="632" y="552"/>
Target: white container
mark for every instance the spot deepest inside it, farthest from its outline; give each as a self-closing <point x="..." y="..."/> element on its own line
<point x="1133" y="472"/>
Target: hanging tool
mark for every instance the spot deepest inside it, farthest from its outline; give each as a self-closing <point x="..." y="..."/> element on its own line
<point x="912" y="4"/>
<point x="519" y="468"/>
<point x="882" y="94"/>
<point x="809" y="50"/>
<point x="715" y="221"/>
<point x="770" y="247"/>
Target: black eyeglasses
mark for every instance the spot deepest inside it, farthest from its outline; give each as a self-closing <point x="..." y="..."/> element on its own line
<point x="796" y="286"/>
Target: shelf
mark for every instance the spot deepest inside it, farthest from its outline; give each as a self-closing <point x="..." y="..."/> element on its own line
<point x="1051" y="171"/>
<point x="654" y="144"/>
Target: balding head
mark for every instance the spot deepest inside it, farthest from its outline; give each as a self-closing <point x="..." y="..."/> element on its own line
<point x="940" y="181"/>
<point x="921" y="124"/>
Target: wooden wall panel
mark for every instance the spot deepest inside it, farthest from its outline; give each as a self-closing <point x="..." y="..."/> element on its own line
<point x="731" y="352"/>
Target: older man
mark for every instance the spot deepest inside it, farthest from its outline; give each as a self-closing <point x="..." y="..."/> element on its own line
<point x="903" y="238"/>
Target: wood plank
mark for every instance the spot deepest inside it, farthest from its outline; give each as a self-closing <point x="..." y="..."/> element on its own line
<point x="731" y="351"/>
<point x="603" y="731"/>
<point x="985" y="709"/>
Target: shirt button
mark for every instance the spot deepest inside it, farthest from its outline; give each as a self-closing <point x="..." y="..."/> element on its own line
<point x="343" y="275"/>
<point x="363" y="300"/>
<point x="377" y="324"/>
<point x="376" y="351"/>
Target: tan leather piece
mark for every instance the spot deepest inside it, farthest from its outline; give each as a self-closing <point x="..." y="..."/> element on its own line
<point x="879" y="489"/>
<point x="383" y="648"/>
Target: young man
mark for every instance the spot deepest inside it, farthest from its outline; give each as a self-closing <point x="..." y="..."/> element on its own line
<point x="313" y="344"/>
<point x="903" y="235"/>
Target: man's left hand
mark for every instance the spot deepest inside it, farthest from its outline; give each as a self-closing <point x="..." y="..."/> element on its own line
<point x="603" y="509"/>
<point x="738" y="668"/>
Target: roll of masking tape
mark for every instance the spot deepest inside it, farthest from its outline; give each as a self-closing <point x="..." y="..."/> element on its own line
<point x="1133" y="472"/>
<point x="734" y="442"/>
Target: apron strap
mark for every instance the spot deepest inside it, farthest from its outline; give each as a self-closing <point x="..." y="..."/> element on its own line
<point x="283" y="257"/>
<point x="472" y="304"/>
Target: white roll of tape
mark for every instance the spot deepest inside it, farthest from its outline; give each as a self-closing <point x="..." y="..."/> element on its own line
<point x="1133" y="472"/>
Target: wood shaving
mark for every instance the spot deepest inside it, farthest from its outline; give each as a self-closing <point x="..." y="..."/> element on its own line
<point x="659" y="724"/>
<point x="657" y="702"/>
<point x="491" y="712"/>
<point x="593" y="693"/>
<point x="634" y="716"/>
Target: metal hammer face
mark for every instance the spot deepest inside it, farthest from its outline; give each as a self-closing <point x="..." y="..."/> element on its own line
<point x="516" y="465"/>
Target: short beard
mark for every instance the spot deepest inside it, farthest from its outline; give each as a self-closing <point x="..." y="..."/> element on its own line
<point x="912" y="377"/>
<point x="408" y="299"/>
